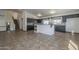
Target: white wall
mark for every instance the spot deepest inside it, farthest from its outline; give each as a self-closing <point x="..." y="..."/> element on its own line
<point x="72" y="25"/>
<point x="5" y="16"/>
<point x="2" y="20"/>
<point x="2" y="23"/>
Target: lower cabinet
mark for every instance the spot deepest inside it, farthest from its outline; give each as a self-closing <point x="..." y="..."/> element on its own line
<point x="59" y="28"/>
<point x="30" y="28"/>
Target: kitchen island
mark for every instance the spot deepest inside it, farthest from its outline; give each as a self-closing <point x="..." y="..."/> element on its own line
<point x="45" y="29"/>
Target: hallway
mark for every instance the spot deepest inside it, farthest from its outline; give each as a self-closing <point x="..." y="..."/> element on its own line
<point x="32" y="41"/>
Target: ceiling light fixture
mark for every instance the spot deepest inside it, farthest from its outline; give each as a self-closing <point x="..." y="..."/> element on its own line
<point x="52" y="12"/>
<point x="39" y="15"/>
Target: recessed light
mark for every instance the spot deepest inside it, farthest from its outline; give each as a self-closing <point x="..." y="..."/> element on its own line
<point x="39" y="14"/>
<point x="52" y="12"/>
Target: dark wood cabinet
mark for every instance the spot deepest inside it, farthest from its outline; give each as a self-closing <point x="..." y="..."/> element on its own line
<point x="60" y="28"/>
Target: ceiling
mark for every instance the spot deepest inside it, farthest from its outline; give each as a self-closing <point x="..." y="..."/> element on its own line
<point x="46" y="12"/>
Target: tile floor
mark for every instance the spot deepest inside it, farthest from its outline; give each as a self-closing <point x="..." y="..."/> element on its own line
<point x="36" y="41"/>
